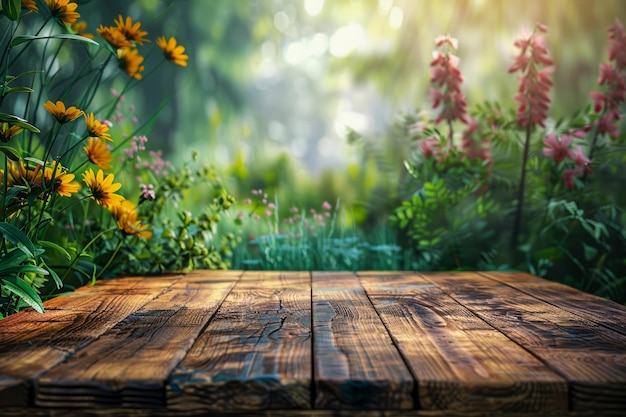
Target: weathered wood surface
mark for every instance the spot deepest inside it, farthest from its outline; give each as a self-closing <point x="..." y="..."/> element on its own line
<point x="356" y="364"/>
<point x="256" y="352"/>
<point x="459" y="361"/>
<point x="320" y="344"/>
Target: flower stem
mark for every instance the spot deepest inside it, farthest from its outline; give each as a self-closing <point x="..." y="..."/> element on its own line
<point x="520" y="192"/>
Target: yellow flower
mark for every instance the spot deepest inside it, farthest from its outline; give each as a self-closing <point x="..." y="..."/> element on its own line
<point x="98" y="153"/>
<point x="103" y="189"/>
<point x="30" y="5"/>
<point x="131" y="62"/>
<point x="27" y="176"/>
<point x="63" y="10"/>
<point x="97" y="129"/>
<point x="79" y="29"/>
<point x="126" y="217"/>
<point x="172" y="52"/>
<point x="64" y="183"/>
<point x="62" y="114"/>
<point x="7" y="131"/>
<point x="132" y="31"/>
<point x="114" y="37"/>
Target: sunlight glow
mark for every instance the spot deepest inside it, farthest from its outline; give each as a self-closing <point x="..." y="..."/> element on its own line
<point x="346" y="39"/>
<point x="313" y="7"/>
<point x="395" y="17"/>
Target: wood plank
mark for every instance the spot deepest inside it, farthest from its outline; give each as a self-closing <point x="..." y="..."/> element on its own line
<point x="128" y="364"/>
<point x="256" y="352"/>
<point x="125" y="412"/>
<point x="31" y="343"/>
<point x="597" y="309"/>
<point x="459" y="361"/>
<point x="356" y="364"/>
<point x="590" y="357"/>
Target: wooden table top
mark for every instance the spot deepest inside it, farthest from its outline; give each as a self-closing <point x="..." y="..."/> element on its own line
<point x="317" y="343"/>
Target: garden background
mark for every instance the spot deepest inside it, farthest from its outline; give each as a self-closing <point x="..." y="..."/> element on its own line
<point x="302" y="135"/>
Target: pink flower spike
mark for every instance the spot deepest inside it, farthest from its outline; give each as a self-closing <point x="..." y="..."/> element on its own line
<point x="247" y="201"/>
<point x="271" y="206"/>
<point x="255" y="192"/>
<point x="294" y="209"/>
<point x="268" y="213"/>
<point x="542" y="27"/>
<point x="326" y="205"/>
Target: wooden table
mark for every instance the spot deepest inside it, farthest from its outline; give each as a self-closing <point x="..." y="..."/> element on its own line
<point x="319" y="344"/>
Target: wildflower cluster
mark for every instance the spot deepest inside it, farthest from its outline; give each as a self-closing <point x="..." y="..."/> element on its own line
<point x="58" y="145"/>
<point x="539" y="167"/>
<point x="295" y="225"/>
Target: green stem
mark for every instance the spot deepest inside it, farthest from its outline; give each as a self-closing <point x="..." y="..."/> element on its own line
<point x="520" y="192"/>
<point x="117" y="249"/>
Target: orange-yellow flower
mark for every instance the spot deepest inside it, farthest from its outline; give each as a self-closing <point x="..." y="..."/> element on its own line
<point x="30" y="5"/>
<point x="114" y="36"/>
<point x="24" y="175"/>
<point x="126" y="217"/>
<point x="103" y="188"/>
<point x="62" y="114"/>
<point x="173" y="52"/>
<point x="131" y="62"/>
<point x="64" y="183"/>
<point x="63" y="10"/>
<point x="132" y="31"/>
<point x="7" y="131"/>
<point x="79" y="28"/>
<point x="97" y="129"/>
<point x="98" y="153"/>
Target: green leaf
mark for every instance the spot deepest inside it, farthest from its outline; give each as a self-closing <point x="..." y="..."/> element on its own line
<point x="12" y="8"/>
<point x="20" y="288"/>
<point x="54" y="275"/>
<point x="18" y="90"/>
<point x="28" y="38"/>
<point x="10" y="153"/>
<point x="54" y="246"/>
<point x="23" y="269"/>
<point x="18" y="121"/>
<point x="18" y="238"/>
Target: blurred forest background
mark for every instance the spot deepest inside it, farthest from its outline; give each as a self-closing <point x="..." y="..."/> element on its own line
<point x="274" y="86"/>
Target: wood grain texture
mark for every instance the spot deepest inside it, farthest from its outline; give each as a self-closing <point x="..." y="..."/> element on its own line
<point x="590" y="357"/>
<point x="356" y="364"/>
<point x="599" y="310"/>
<point x="256" y="352"/>
<point x="125" y="412"/>
<point x="460" y="362"/>
<point x="128" y="364"/>
<point x="31" y="343"/>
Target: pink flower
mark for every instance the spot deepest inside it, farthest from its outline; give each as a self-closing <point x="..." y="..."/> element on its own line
<point x="558" y="149"/>
<point x="268" y="213"/>
<point x="247" y="201"/>
<point x="147" y="192"/>
<point x="443" y="39"/>
<point x="326" y="205"/>
<point x="294" y="209"/>
<point x="613" y="78"/>
<point x="578" y="156"/>
<point x="570" y="174"/>
<point x="473" y="148"/>
<point x="536" y="69"/>
<point x="617" y="45"/>
<point x="271" y="205"/>
<point x="429" y="146"/>
<point x="446" y="80"/>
